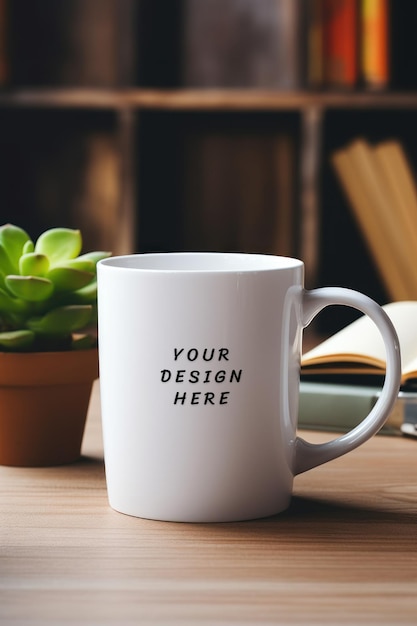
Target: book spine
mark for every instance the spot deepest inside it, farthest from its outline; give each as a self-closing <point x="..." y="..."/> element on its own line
<point x="369" y="199"/>
<point x="339" y="408"/>
<point x="375" y="44"/>
<point x="398" y="173"/>
<point x="341" y="43"/>
<point x="74" y="43"/>
<point x="335" y="408"/>
<point x="315" y="43"/>
<point x="242" y="43"/>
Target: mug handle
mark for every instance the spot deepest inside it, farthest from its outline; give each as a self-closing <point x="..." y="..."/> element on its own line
<point x="309" y="455"/>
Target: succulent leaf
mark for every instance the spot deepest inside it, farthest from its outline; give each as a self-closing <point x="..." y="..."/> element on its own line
<point x="68" y="279"/>
<point x="85" y="265"/>
<point x="16" y="340"/>
<point x="5" y="263"/>
<point x="13" y="240"/>
<point x="28" y="247"/>
<point x="62" y="320"/>
<point x="59" y="244"/>
<point x="48" y="290"/>
<point x="87" y="294"/>
<point x="96" y="256"/>
<point x="33" y="264"/>
<point x="8" y="304"/>
<point x="30" y="288"/>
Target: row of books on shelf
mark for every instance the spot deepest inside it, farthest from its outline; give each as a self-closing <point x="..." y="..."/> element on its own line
<point x="293" y="44"/>
<point x="277" y="44"/>
<point x="348" y="43"/>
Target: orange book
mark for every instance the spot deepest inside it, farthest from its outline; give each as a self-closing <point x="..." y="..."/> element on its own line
<point x="341" y="43"/>
<point x="375" y="43"/>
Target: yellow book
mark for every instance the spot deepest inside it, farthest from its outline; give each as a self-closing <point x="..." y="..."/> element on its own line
<point x="356" y="173"/>
<point x="400" y="250"/>
<point x="375" y="48"/>
<point x="399" y="177"/>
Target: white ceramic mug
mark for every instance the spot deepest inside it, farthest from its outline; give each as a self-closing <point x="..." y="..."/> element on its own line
<point x="199" y="377"/>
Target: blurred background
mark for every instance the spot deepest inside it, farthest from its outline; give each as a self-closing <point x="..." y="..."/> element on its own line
<point x="161" y="125"/>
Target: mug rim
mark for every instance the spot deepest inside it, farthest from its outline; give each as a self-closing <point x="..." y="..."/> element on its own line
<point x="205" y="262"/>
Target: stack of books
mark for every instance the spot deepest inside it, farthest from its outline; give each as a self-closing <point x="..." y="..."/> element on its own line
<point x="342" y="377"/>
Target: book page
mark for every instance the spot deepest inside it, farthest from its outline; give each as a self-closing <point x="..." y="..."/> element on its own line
<point x="361" y="342"/>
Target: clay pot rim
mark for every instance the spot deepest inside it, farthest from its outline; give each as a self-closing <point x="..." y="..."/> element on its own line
<point x="65" y="367"/>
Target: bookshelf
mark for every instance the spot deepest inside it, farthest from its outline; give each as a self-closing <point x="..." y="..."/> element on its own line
<point x="126" y="106"/>
<point x="122" y="157"/>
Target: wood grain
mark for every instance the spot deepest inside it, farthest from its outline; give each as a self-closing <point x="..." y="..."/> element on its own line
<point x="344" y="553"/>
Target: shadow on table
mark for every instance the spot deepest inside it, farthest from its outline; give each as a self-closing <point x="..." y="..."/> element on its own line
<point x="333" y="524"/>
<point x="390" y="519"/>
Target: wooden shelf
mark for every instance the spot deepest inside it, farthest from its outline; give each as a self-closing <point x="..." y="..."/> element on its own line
<point x="312" y="106"/>
<point x="264" y="100"/>
<point x="200" y="99"/>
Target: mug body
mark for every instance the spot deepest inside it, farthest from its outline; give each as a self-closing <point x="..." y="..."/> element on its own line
<point x="199" y="375"/>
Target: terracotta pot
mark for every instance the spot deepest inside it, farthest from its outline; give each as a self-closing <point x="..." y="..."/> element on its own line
<point x="44" y="399"/>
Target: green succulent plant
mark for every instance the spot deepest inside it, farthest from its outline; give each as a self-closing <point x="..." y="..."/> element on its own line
<point x="48" y="291"/>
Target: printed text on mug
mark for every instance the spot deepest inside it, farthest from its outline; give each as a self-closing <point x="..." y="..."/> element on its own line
<point x="202" y="375"/>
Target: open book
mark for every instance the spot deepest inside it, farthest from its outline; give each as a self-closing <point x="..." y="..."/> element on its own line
<point x="359" y="348"/>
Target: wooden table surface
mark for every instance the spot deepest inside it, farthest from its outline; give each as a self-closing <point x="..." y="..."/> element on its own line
<point x="344" y="553"/>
